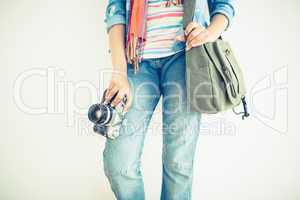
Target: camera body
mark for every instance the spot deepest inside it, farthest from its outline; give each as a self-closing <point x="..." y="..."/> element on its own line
<point x="107" y="119"/>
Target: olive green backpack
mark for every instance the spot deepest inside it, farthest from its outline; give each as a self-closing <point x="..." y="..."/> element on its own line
<point x="214" y="79"/>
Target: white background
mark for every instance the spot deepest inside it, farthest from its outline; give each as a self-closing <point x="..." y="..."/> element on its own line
<point x="54" y="155"/>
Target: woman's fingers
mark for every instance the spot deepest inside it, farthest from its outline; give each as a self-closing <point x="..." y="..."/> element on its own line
<point x="201" y="38"/>
<point x="118" y="88"/>
<point x="118" y="98"/>
<point x="193" y="36"/>
<point x="194" y="33"/>
<point x="110" y="93"/>
<point x="190" y="27"/>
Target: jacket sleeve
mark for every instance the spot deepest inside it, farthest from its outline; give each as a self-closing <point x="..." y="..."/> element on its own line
<point x="115" y="13"/>
<point x="224" y="7"/>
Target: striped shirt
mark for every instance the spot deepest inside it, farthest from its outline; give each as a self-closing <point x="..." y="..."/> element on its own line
<point x="163" y="25"/>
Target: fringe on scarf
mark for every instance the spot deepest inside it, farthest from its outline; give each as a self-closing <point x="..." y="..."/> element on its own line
<point x="135" y="45"/>
<point x="133" y="52"/>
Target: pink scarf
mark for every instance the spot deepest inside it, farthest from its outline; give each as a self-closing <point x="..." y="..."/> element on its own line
<point x="137" y="30"/>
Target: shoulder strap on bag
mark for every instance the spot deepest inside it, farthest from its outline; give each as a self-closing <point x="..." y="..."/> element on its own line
<point x="188" y="11"/>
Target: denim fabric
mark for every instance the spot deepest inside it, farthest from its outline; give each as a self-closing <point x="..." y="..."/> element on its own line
<point x="122" y="157"/>
<point x="118" y="11"/>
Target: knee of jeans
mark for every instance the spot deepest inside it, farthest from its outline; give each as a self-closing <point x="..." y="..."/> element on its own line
<point x="113" y="169"/>
<point x="182" y="169"/>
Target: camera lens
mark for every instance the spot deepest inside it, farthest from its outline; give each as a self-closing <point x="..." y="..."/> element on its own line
<point x="100" y="114"/>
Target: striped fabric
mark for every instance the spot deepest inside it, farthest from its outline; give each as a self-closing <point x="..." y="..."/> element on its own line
<point x="163" y="24"/>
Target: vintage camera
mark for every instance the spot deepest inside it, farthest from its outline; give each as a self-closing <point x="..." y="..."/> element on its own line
<point x="107" y="119"/>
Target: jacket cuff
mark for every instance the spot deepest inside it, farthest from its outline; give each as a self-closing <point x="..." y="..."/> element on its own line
<point x="228" y="12"/>
<point x="111" y="21"/>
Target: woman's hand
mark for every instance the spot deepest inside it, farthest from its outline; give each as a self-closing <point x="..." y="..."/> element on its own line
<point x="120" y="85"/>
<point x="196" y="35"/>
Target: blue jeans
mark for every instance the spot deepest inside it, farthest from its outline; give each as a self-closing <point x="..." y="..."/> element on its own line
<point x="122" y="156"/>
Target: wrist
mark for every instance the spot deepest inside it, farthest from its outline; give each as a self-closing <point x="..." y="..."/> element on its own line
<point x="214" y="32"/>
<point x="120" y="68"/>
<point x="217" y="26"/>
<point x="119" y="64"/>
<point x="119" y="73"/>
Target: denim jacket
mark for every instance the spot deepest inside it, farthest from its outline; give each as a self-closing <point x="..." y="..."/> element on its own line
<point x="117" y="12"/>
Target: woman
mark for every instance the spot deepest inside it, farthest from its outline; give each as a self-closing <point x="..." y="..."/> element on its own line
<point x="148" y="43"/>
